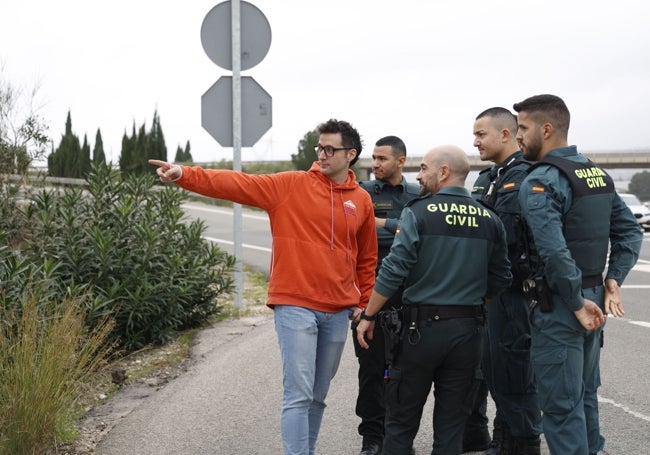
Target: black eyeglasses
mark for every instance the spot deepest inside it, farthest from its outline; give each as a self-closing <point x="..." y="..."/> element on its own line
<point x="328" y="149"/>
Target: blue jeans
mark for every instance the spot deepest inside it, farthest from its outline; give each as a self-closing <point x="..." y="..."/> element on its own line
<point x="311" y="343"/>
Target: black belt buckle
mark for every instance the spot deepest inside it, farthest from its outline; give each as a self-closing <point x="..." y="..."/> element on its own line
<point x="440" y="312"/>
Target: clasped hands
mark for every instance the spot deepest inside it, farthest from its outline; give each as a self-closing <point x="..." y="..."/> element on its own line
<point x="591" y="317"/>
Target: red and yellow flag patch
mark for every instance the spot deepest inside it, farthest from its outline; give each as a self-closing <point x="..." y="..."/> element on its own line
<point x="538" y="189"/>
<point x="509" y="186"/>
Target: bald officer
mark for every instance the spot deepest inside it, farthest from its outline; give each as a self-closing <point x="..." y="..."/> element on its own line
<point x="451" y="255"/>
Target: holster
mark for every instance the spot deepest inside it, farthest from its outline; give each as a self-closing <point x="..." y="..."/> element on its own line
<point x="391" y="323"/>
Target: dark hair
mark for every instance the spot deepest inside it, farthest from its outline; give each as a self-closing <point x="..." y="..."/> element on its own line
<point x="547" y="108"/>
<point x="504" y="118"/>
<point x="349" y="135"/>
<point x="396" y="144"/>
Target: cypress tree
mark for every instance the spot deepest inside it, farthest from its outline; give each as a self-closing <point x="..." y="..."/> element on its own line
<point x="142" y="150"/>
<point x="126" y="154"/>
<point x="64" y="161"/>
<point x="180" y="156"/>
<point x="84" y="159"/>
<point x="98" y="151"/>
<point x="140" y="147"/>
<point x="187" y="155"/>
<point x="183" y="155"/>
<point x="158" y="149"/>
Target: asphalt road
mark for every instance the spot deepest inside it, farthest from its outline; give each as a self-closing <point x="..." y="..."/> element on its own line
<point x="229" y="400"/>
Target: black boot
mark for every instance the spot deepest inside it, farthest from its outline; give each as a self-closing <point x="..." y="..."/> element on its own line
<point x="370" y="448"/>
<point x="526" y="446"/>
<point x="479" y="440"/>
<point x="501" y="441"/>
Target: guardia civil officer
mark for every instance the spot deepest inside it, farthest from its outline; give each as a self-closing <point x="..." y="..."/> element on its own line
<point x="389" y="192"/>
<point x="506" y="355"/>
<point x="451" y="255"/>
<point x="574" y="214"/>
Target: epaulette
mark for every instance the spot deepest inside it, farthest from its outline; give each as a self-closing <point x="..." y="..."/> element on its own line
<point x="412" y="188"/>
<point x="422" y="196"/>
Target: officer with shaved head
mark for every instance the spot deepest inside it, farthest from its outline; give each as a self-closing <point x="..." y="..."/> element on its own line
<point x="451" y="256"/>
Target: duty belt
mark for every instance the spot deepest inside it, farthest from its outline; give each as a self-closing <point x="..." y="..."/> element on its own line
<point x="592" y="281"/>
<point x="439" y="312"/>
<point x="417" y="316"/>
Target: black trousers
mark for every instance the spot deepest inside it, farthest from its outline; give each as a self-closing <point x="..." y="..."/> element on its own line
<point x="445" y="355"/>
<point x="507" y="371"/>
<point x="371" y="400"/>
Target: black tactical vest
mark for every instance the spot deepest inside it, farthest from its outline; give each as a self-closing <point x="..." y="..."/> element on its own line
<point x="586" y="224"/>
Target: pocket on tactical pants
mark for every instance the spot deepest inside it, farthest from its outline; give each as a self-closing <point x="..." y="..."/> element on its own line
<point x="516" y="365"/>
<point x="559" y="379"/>
<point x="477" y="380"/>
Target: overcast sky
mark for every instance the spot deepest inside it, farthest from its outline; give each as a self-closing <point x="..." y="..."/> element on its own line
<point x="419" y="69"/>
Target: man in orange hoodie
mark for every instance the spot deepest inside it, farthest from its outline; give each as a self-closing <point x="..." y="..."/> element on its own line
<point x="322" y="266"/>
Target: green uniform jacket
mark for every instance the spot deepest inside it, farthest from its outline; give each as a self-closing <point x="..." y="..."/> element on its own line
<point x="450" y="250"/>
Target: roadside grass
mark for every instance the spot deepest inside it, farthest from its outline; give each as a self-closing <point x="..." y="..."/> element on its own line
<point x="161" y="362"/>
<point x="253" y="297"/>
<point x="151" y="359"/>
<point x="46" y="355"/>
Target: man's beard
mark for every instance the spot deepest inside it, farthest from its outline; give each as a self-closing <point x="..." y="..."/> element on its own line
<point x="533" y="149"/>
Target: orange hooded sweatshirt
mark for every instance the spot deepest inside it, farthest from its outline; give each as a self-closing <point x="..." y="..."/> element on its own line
<point x="324" y="237"/>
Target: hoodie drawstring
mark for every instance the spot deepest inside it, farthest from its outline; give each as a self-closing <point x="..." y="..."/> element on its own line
<point x="347" y="229"/>
<point x="348" y="246"/>
<point x="332" y="217"/>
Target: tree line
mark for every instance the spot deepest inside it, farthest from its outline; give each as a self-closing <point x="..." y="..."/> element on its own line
<point x="24" y="139"/>
<point x="72" y="159"/>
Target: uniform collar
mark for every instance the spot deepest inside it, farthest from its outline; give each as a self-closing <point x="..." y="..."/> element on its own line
<point x="563" y="152"/>
<point x="454" y="191"/>
<point x="381" y="183"/>
<point x="497" y="169"/>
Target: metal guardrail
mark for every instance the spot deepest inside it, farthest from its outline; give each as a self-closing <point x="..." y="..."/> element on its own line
<point x="608" y="160"/>
<point x="46" y="180"/>
<point x="631" y="159"/>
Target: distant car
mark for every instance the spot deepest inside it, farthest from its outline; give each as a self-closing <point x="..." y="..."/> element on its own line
<point x="640" y="211"/>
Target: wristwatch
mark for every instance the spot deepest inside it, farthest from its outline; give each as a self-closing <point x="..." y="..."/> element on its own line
<point x="365" y="317"/>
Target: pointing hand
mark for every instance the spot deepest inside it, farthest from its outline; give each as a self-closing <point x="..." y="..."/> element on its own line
<point x="167" y="172"/>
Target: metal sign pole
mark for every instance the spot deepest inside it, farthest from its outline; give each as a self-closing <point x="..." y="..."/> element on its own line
<point x="250" y="111"/>
<point x="237" y="142"/>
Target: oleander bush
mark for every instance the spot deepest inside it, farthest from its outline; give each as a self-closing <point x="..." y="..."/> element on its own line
<point x="122" y="242"/>
<point x="86" y="273"/>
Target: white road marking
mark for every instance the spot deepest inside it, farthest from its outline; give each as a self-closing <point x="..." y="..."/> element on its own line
<point x="642" y="266"/>
<point x="225" y="212"/>
<point x="629" y="321"/>
<point x="638" y="415"/>
<point x="244" y="245"/>
<point x="641" y="323"/>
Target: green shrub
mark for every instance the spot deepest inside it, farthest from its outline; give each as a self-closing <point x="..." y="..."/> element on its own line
<point x="125" y="244"/>
<point x="46" y="355"/>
